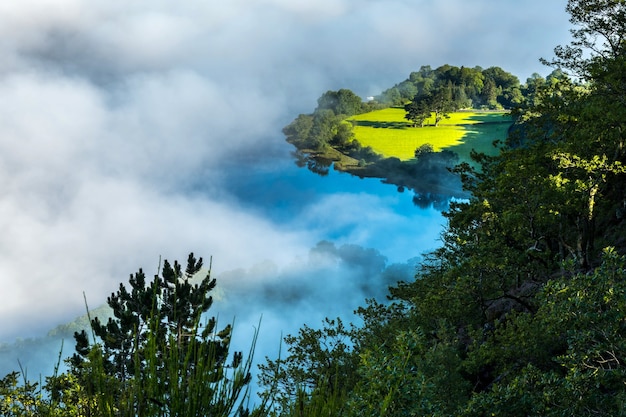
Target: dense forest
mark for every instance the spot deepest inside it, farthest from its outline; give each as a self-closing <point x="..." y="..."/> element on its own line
<point x="520" y="312"/>
<point x="491" y="88"/>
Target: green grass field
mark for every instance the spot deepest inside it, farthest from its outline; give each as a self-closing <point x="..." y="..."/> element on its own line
<point x="390" y="134"/>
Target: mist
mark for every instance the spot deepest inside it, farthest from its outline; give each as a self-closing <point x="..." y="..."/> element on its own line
<point x="128" y="131"/>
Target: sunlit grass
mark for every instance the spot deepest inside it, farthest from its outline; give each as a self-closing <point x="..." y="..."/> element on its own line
<point x="391" y="135"/>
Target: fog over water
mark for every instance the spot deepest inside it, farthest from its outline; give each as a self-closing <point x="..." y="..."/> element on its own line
<point x="133" y="130"/>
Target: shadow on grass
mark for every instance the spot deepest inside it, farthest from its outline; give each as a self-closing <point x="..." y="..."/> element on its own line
<point x="381" y="125"/>
<point x="482" y="138"/>
<point x="491" y="118"/>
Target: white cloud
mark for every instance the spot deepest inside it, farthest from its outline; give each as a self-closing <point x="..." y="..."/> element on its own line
<point x="119" y="119"/>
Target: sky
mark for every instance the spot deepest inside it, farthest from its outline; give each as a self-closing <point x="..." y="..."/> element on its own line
<point x="121" y="124"/>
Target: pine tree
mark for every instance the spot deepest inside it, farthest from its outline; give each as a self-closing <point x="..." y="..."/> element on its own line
<point x="156" y="352"/>
<point x="171" y="306"/>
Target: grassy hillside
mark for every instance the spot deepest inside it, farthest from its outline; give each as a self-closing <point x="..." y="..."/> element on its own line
<point x="390" y="134"/>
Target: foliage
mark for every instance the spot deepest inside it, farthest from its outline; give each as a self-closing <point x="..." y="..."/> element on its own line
<point x="567" y="358"/>
<point x="325" y="126"/>
<point x="173" y="382"/>
<point x="417" y="111"/>
<point x="423" y="150"/>
<point x="169" y="307"/>
<point x="465" y="87"/>
<point x="320" y="365"/>
<point x="342" y="102"/>
<point x="156" y="357"/>
<point x="20" y="400"/>
<point x="422" y="106"/>
<point x="409" y="377"/>
<point x="521" y="310"/>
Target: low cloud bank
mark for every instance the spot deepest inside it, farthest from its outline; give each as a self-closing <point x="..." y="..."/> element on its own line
<point x="330" y="281"/>
<point x="118" y="120"/>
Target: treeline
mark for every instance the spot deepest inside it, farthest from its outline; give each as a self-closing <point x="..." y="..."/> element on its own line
<point x="327" y="128"/>
<point x="444" y="93"/>
<point x="492" y="88"/>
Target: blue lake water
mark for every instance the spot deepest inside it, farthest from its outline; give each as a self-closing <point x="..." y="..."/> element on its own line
<point x="375" y="221"/>
<point x="340" y="205"/>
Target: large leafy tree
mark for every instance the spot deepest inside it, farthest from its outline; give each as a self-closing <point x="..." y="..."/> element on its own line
<point x="342" y="102"/>
<point x="439" y="103"/>
<point x="584" y="123"/>
<point x="417" y="111"/>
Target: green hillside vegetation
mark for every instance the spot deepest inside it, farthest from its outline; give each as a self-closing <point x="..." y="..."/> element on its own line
<point x="389" y="134"/>
<point x="520" y="312"/>
<point x="451" y="109"/>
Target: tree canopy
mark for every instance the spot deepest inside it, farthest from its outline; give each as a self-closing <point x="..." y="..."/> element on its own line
<point x="475" y="87"/>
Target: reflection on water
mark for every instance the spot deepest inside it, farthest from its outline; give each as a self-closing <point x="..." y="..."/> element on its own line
<point x="369" y="235"/>
<point x="343" y="208"/>
<point x="430" y="175"/>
